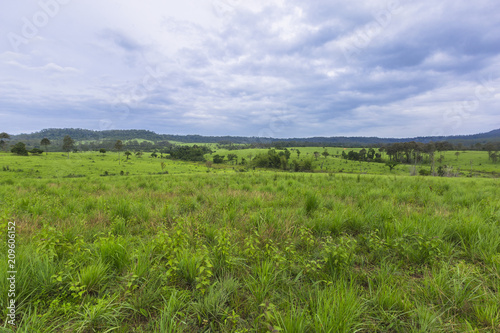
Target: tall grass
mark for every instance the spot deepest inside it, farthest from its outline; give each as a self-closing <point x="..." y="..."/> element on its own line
<point x="229" y="252"/>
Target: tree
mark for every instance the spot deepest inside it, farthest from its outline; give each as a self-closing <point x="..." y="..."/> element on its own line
<point x="316" y="155"/>
<point x="118" y="147"/>
<point x="494" y="157"/>
<point x="391" y="164"/>
<point x="36" y="151"/>
<point x="231" y="157"/>
<point x="19" y="149"/>
<point x="325" y="154"/>
<point x="139" y="153"/>
<point x="218" y="159"/>
<point x="456" y="154"/>
<point x="362" y="154"/>
<point x="45" y="142"/>
<point x="68" y="144"/>
<point x="4" y="136"/>
<point x="371" y="153"/>
<point x="127" y="153"/>
<point x="102" y="151"/>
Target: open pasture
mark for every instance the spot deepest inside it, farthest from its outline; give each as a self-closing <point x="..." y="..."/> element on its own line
<point x="192" y="251"/>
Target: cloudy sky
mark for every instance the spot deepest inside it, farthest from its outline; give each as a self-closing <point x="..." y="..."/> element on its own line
<point x="274" y="68"/>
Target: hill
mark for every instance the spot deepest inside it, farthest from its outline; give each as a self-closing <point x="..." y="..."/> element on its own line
<point x="79" y="134"/>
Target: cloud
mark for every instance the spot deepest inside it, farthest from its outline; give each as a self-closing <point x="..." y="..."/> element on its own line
<point x="286" y="68"/>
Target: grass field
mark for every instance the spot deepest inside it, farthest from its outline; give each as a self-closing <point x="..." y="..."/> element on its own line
<point x="481" y="165"/>
<point x="256" y="251"/>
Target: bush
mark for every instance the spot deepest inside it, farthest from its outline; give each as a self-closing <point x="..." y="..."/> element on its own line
<point x="36" y="151"/>
<point x="19" y="149"/>
<point x="424" y="172"/>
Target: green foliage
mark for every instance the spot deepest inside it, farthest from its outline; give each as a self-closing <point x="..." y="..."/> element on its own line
<point x="424" y="172"/>
<point x="113" y="252"/>
<point x="36" y="151"/>
<point x="391" y="164"/>
<point x="104" y="315"/>
<point x="68" y="143"/>
<point x="338" y="308"/>
<point x="312" y="203"/>
<point x="273" y="159"/>
<point x="188" y="153"/>
<point x="218" y="159"/>
<point x="93" y="277"/>
<point x="338" y="256"/>
<point x="248" y="252"/>
<point x="19" y="149"/>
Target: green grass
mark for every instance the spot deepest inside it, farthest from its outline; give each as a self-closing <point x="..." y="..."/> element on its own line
<point x="257" y="251"/>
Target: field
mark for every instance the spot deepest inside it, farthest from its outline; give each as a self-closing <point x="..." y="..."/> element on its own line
<point x="475" y="162"/>
<point x="136" y="246"/>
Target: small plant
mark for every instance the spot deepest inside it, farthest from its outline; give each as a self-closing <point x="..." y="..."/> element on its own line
<point x="338" y="256"/>
<point x="338" y="308"/>
<point x="262" y="280"/>
<point x="312" y="203"/>
<point x="105" y="315"/>
<point x="113" y="252"/>
<point x="213" y="306"/>
<point x="424" y="172"/>
<point x="171" y="315"/>
<point x="92" y="277"/>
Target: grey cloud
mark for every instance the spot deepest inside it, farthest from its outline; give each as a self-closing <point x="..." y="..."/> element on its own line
<point x="283" y="64"/>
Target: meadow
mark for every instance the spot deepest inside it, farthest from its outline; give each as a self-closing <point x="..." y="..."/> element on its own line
<point x="476" y="163"/>
<point x="105" y="245"/>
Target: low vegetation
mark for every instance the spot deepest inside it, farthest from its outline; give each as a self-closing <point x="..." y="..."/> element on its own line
<point x="206" y="248"/>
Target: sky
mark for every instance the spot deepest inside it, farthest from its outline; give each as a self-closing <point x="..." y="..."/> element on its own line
<point x="273" y="68"/>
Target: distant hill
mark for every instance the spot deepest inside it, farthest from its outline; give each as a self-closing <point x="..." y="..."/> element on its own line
<point x="78" y="134"/>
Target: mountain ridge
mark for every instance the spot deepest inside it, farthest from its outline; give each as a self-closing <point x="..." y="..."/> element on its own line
<point x="79" y="134"/>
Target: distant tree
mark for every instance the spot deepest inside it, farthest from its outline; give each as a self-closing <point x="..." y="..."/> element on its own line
<point x="218" y="159"/>
<point x="362" y="154"/>
<point x="430" y="149"/>
<point x="127" y="153"/>
<point x="391" y="164"/>
<point x="371" y="153"/>
<point x="102" y="151"/>
<point x="316" y="155"/>
<point x="139" y="153"/>
<point x="325" y="154"/>
<point x="19" y="149"/>
<point x="298" y="153"/>
<point x="490" y="148"/>
<point x="456" y="154"/>
<point x="68" y="144"/>
<point x="45" y="142"/>
<point x="3" y="143"/>
<point x="118" y="147"/>
<point x="36" y="151"/>
<point x="208" y="164"/>
<point x="232" y="157"/>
